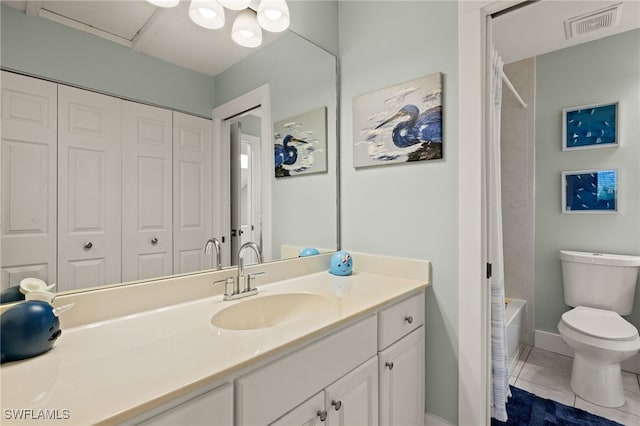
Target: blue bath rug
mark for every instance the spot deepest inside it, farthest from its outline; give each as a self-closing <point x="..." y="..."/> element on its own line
<point x="527" y="409"/>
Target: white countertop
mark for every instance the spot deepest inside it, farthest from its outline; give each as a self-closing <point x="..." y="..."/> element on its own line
<point x="112" y="370"/>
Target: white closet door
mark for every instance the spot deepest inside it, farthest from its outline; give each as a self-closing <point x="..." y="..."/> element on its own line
<point x="28" y="176"/>
<point x="192" y="192"/>
<point x="89" y="190"/>
<point x="147" y="243"/>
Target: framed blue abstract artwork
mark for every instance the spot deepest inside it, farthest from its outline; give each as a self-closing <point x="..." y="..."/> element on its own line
<point x="590" y="191"/>
<point x="590" y="126"/>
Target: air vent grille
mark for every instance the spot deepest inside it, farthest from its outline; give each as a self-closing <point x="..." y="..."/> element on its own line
<point x="592" y="21"/>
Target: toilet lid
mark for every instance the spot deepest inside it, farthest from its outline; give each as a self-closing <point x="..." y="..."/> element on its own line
<point x="599" y="323"/>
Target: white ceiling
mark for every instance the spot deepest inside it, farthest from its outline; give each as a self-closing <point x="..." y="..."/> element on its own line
<point x="539" y="27"/>
<point x="167" y="34"/>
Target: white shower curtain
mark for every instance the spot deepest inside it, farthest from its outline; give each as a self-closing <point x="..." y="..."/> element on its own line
<point x="500" y="368"/>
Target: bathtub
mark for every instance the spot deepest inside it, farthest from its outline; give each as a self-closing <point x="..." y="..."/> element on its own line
<point x="515" y="320"/>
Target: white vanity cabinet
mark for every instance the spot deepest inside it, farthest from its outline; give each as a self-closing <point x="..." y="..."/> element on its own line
<point x="401" y="363"/>
<point x="352" y="400"/>
<point x="213" y="408"/>
<point x="368" y="372"/>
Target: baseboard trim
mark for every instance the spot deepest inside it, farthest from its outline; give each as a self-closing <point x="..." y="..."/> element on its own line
<point x="433" y="420"/>
<point x="553" y="342"/>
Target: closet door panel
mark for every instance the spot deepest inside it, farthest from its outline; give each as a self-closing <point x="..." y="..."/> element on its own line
<point x="28" y="176"/>
<point x="192" y="196"/>
<point x="147" y="241"/>
<point x="89" y="205"/>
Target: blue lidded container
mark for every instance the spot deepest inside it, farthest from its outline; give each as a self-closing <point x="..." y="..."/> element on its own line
<point x="29" y="328"/>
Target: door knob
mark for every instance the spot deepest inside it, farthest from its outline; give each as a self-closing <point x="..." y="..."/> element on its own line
<point x="409" y="319"/>
<point x="389" y="365"/>
<point x="88" y="245"/>
<point x="154" y="241"/>
<point x="322" y="414"/>
<point x="336" y="404"/>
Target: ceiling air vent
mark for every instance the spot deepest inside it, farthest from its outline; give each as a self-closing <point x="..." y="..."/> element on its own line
<point x="592" y="21"/>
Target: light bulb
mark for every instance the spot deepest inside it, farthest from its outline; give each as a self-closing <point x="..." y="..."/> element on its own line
<point x="207" y="13"/>
<point x="246" y="31"/>
<point x="273" y="15"/>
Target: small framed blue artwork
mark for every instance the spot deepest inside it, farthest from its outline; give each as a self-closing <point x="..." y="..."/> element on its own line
<point x="590" y="191"/>
<point x="590" y="126"/>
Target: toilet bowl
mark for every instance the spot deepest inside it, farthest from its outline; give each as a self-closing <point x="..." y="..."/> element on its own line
<point x="601" y="339"/>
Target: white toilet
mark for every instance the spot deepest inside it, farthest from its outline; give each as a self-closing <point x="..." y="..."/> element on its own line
<point x="600" y="288"/>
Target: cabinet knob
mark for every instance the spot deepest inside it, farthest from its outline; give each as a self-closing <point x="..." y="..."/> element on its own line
<point x="409" y="319"/>
<point x="336" y="404"/>
<point x="322" y="414"/>
<point x="389" y="365"/>
<point x="154" y="241"/>
<point x="88" y="245"/>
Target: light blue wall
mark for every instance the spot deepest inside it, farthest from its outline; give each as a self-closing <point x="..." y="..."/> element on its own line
<point x="407" y="210"/>
<point x="601" y="71"/>
<point x="40" y="47"/>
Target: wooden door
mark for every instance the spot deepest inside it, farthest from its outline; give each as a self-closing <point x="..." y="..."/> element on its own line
<point x="28" y="176"/>
<point x="89" y="189"/>
<point x="147" y="240"/>
<point x="192" y="192"/>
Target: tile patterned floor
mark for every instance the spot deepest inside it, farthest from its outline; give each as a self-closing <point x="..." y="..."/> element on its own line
<point x="547" y="374"/>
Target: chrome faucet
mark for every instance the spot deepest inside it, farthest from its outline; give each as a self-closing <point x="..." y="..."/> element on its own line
<point x="207" y="249"/>
<point x="243" y="284"/>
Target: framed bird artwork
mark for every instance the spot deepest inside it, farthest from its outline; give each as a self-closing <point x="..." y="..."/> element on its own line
<point x="399" y="124"/>
<point x="300" y="144"/>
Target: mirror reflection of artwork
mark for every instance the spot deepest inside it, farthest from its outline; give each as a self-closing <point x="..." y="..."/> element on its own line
<point x="399" y="124"/>
<point x="590" y="191"/>
<point x="591" y="126"/>
<point x="301" y="144"/>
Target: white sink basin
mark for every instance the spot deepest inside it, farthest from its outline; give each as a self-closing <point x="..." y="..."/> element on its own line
<point x="270" y="311"/>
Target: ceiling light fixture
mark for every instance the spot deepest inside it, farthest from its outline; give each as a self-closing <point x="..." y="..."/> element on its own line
<point x="207" y="13"/>
<point x="246" y="31"/>
<point x="271" y="15"/>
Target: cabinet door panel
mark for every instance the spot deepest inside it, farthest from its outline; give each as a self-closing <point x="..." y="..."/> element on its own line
<point x="353" y="400"/>
<point x="147" y="234"/>
<point x="89" y="189"/>
<point x="214" y="408"/>
<point x="28" y="176"/>
<point x="401" y="372"/>
<point x="305" y="414"/>
<point x="192" y="192"/>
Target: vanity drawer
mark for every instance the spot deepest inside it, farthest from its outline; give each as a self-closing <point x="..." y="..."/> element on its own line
<point x="400" y="319"/>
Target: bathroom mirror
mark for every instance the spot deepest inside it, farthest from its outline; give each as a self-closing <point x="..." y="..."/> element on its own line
<point x="295" y="223"/>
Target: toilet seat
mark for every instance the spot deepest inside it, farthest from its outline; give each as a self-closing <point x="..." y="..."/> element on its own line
<point x="599" y="324"/>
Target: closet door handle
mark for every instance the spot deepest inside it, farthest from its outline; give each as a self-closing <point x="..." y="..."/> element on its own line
<point x="154" y="241"/>
<point x="88" y="245"/>
<point x="336" y="404"/>
<point x="389" y="365"/>
<point x="409" y="319"/>
<point x="322" y="414"/>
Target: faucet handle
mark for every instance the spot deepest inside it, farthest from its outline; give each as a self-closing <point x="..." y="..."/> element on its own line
<point x="229" y="281"/>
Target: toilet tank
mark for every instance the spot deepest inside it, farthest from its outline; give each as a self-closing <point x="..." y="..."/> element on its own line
<point x="599" y="280"/>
